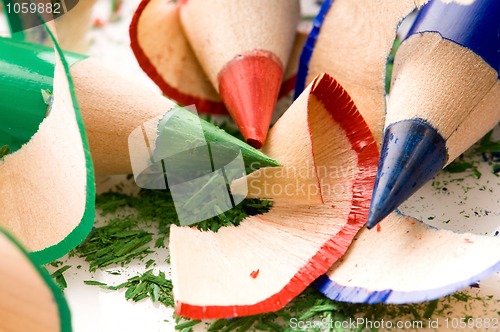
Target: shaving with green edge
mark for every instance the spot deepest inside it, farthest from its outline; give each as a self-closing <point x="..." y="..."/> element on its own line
<point x="125" y="238"/>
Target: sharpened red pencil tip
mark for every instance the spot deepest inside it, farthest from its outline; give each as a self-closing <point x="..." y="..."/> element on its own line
<point x="249" y="86"/>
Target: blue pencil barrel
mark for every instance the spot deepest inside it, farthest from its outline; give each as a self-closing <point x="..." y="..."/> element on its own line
<point x="418" y="151"/>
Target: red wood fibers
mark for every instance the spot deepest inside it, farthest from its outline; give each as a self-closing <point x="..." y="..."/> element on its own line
<point x="202" y="105"/>
<point x="343" y="111"/>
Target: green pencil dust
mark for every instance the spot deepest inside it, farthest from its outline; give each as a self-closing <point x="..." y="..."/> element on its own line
<point x="118" y="242"/>
<point x="487" y="148"/>
<point x="110" y="244"/>
<point x="58" y="277"/>
<point x="147" y="285"/>
<point x="312" y="306"/>
<point x="4" y="150"/>
<point x="158" y="206"/>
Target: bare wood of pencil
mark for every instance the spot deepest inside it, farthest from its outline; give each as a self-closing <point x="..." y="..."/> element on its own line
<point x="31" y="305"/>
<point x="243" y="47"/>
<point x="444" y="97"/>
<point x="112" y="107"/>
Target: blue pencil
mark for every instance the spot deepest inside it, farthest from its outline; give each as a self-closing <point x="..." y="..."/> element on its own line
<point x="351" y="40"/>
<point x="445" y="96"/>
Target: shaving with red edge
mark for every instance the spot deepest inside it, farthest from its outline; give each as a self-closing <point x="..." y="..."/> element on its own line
<point x="167" y="48"/>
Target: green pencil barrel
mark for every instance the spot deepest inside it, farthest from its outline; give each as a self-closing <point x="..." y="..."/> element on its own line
<point x="25" y="69"/>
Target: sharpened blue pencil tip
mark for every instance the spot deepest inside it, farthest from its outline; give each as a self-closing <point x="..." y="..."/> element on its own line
<point x="412" y="153"/>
